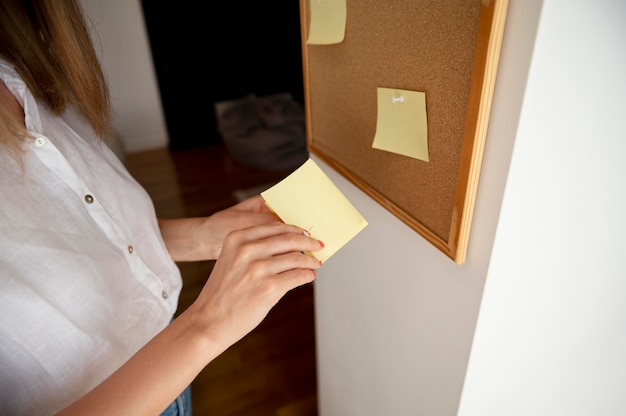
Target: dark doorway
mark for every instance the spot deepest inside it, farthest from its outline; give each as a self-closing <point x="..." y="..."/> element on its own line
<point x="222" y="53"/>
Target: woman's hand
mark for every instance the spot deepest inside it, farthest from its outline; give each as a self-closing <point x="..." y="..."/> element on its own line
<point x="256" y="268"/>
<point x="248" y="213"/>
<point x="201" y="238"/>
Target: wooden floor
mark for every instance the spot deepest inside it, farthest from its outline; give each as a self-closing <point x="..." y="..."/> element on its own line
<point x="272" y="371"/>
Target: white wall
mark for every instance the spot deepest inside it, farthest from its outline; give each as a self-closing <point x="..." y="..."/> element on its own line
<point x="121" y="40"/>
<point x="551" y="338"/>
<point x="395" y="317"/>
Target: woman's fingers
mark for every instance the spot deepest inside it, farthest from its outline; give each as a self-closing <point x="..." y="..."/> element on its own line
<point x="273" y="238"/>
<point x="279" y="265"/>
<point x="253" y="204"/>
<point x="272" y="250"/>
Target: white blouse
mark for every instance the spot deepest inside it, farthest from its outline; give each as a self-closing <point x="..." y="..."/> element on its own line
<point x="85" y="277"/>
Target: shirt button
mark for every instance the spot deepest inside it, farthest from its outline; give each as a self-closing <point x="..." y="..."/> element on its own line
<point x="89" y="199"/>
<point x="40" y="142"/>
<point x="164" y="294"/>
<point x="130" y="249"/>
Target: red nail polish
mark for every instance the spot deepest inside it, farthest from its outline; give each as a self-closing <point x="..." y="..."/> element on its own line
<point x="321" y="243"/>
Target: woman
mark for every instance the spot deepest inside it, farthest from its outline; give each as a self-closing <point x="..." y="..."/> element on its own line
<point x="88" y="283"/>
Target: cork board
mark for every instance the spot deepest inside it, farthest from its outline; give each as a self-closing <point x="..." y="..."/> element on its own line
<point x="448" y="49"/>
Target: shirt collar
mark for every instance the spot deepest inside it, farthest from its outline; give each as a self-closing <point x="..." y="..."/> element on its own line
<point x="18" y="88"/>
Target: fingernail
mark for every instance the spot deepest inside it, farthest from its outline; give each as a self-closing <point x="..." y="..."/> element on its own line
<point x="321" y="243"/>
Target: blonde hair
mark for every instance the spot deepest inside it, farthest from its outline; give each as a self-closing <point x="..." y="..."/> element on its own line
<point x="49" y="45"/>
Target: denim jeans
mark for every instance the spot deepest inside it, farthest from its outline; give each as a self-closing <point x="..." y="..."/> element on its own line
<point x="181" y="406"/>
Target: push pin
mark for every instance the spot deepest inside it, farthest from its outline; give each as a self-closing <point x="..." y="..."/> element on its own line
<point x="399" y="99"/>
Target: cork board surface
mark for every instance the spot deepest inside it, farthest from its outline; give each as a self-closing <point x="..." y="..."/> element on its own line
<point x="419" y="45"/>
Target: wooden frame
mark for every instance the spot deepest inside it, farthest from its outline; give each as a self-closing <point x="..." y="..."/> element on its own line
<point x="448" y="49"/>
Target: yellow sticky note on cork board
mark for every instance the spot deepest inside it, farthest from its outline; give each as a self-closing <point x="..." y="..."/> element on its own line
<point x="401" y="125"/>
<point x="327" y="22"/>
<point x="309" y="199"/>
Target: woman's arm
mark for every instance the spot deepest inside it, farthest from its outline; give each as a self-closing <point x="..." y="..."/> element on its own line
<point x="256" y="268"/>
<point x="201" y="238"/>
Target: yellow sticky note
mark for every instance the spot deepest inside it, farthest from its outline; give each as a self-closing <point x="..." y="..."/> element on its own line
<point x="309" y="199"/>
<point x="327" y="23"/>
<point x="401" y="125"/>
